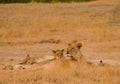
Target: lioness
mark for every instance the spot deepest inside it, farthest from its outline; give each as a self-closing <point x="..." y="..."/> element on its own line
<point x="58" y="54"/>
<point x="74" y="52"/>
<point x="28" y="60"/>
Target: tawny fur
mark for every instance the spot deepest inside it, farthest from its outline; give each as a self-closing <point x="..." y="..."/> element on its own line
<point x="74" y="51"/>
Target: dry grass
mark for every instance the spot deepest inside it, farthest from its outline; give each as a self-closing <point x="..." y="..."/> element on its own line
<point x="35" y="21"/>
<point x="95" y="24"/>
<point x="65" y="75"/>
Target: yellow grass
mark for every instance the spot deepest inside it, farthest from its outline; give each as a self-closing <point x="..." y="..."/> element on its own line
<point x="83" y="74"/>
<point x="33" y="21"/>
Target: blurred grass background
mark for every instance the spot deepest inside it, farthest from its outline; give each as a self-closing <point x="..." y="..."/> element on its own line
<point x="91" y="22"/>
<point x="43" y="1"/>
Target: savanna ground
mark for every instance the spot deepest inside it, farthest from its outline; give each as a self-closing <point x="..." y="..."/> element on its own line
<point x="95" y="24"/>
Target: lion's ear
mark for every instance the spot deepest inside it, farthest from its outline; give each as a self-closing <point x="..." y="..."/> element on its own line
<point x="79" y="45"/>
<point x="69" y="44"/>
<point x="62" y="50"/>
<point x="28" y="55"/>
<point x="53" y="51"/>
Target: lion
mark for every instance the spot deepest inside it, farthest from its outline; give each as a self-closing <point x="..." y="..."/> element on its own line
<point x="8" y="67"/>
<point x="28" y="60"/>
<point x="58" y="54"/>
<point x="61" y="61"/>
<point x="74" y="51"/>
<point x="25" y="61"/>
